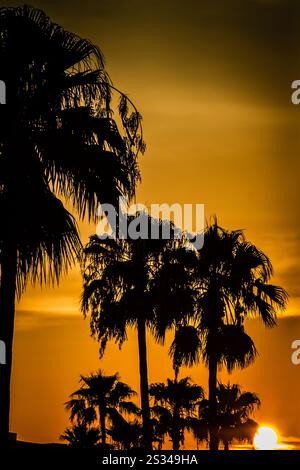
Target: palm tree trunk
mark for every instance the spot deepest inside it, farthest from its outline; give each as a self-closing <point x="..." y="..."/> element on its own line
<point x="212" y="386"/>
<point x="102" y="426"/>
<point x="226" y="445"/>
<point x="176" y="430"/>
<point x="147" y="434"/>
<point x="7" y="315"/>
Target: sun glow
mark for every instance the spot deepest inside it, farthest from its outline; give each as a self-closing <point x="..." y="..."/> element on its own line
<point x="265" y="438"/>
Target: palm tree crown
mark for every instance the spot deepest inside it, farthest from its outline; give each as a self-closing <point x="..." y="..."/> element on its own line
<point x="234" y="410"/>
<point x="135" y="283"/>
<point x="100" y="397"/>
<point x="175" y="406"/>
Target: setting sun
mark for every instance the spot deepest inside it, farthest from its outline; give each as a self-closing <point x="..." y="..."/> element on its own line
<point x="265" y="438"/>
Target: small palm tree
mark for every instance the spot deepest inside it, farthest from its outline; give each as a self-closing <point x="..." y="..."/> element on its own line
<point x="175" y="407"/>
<point x="231" y="282"/>
<point x="100" y="397"/>
<point x="234" y="410"/>
<point x="81" y="436"/>
<point x="125" y="434"/>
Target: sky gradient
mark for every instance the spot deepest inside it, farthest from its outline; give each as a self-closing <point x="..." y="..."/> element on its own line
<point x="213" y="81"/>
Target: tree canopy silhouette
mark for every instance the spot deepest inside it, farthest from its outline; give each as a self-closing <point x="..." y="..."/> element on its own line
<point x="100" y="398"/>
<point x="136" y="283"/>
<point x="175" y="408"/>
<point x="234" y="411"/>
<point x="231" y="283"/>
<point x="58" y="139"/>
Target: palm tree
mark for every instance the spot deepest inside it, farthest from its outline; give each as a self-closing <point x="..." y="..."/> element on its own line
<point x="81" y="436"/>
<point x="126" y="434"/>
<point x="231" y="281"/>
<point x="57" y="139"/>
<point x="234" y="410"/>
<point x="135" y="283"/>
<point x="46" y="244"/>
<point x="175" y="407"/>
<point x="100" y="397"/>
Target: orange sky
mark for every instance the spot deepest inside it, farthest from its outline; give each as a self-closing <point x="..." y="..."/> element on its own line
<point x="213" y="85"/>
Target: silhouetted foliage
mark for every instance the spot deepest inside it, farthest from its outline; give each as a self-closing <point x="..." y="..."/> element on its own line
<point x="135" y="283"/>
<point x="231" y="283"/>
<point x="175" y="406"/>
<point x="57" y="139"/>
<point x="125" y="434"/>
<point x="81" y="436"/>
<point x="234" y="410"/>
<point x="101" y="398"/>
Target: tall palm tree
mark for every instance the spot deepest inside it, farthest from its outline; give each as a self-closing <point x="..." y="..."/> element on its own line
<point x="57" y="139"/>
<point x="234" y="410"/>
<point x="175" y="406"/>
<point x="135" y="283"/>
<point x="46" y="243"/>
<point x="81" y="436"/>
<point x="100" y="397"/>
<point x="231" y="281"/>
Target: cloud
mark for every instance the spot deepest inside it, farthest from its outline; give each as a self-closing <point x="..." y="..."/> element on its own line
<point x="27" y="321"/>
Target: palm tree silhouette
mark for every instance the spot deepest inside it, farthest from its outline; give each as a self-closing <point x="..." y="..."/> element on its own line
<point x="234" y="410"/>
<point x="131" y="283"/>
<point x="175" y="407"/>
<point x="100" y="397"/>
<point x="231" y="279"/>
<point x="81" y="436"/>
<point x="126" y="434"/>
<point x="57" y="139"/>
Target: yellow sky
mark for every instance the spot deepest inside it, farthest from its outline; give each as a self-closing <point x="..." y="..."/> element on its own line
<point x="213" y="85"/>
